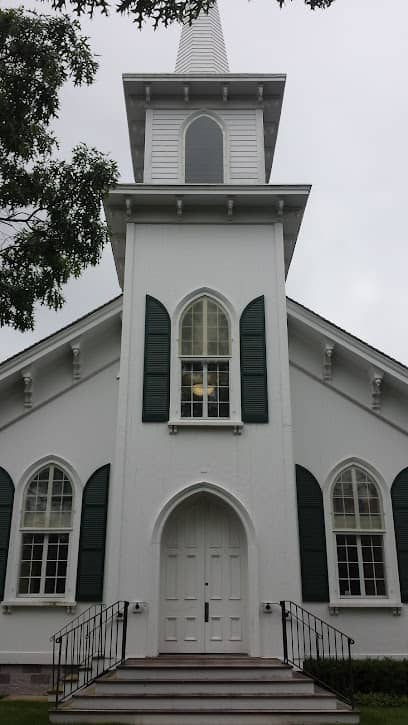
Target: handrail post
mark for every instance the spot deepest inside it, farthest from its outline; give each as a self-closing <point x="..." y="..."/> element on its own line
<point x="351" y="674"/>
<point x="124" y="629"/>
<point x="284" y="632"/>
<point x="57" y="684"/>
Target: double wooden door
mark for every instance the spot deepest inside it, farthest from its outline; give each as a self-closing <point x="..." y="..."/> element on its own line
<point x="203" y="579"/>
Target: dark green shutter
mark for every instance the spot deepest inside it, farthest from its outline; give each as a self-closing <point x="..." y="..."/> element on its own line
<point x="6" y="510"/>
<point x="312" y="538"/>
<point x="91" y="557"/>
<point x="399" y="496"/>
<point x="156" y="378"/>
<point x="254" y="388"/>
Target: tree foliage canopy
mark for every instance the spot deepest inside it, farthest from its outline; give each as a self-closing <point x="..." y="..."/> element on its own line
<point x="161" y="12"/>
<point x="50" y="223"/>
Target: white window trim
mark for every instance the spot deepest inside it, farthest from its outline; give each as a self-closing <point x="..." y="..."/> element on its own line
<point x="176" y="421"/>
<point x="393" y="598"/>
<point x="11" y="596"/>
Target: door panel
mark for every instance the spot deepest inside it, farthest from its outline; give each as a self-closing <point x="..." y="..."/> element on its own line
<point x="203" y="562"/>
<point x="182" y="574"/>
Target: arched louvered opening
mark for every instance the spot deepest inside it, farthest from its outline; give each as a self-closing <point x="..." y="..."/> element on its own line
<point x="91" y="556"/>
<point x="312" y="537"/>
<point x="6" y="511"/>
<point x="399" y="496"/>
<point x="204" y="152"/>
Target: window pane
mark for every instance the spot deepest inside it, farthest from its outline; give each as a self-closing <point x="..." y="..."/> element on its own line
<point x="204" y="161"/>
<point x="374" y="573"/>
<point x="56" y="564"/>
<point x="348" y="569"/>
<point x="368" y="501"/>
<point x="49" y="492"/>
<point x="31" y="564"/>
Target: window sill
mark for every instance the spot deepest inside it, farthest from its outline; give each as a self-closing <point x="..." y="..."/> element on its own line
<point x="235" y="425"/>
<point x="396" y="607"/>
<point x="10" y="604"/>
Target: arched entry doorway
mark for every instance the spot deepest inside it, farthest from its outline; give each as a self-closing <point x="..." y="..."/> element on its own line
<point x="203" y="578"/>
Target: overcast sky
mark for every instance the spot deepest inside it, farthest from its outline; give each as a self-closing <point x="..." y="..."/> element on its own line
<point x="343" y="129"/>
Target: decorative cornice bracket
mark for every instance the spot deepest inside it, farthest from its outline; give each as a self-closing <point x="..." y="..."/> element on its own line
<point x="179" y="206"/>
<point x="28" y="388"/>
<point x="225" y="91"/>
<point x="328" y="351"/>
<point x="76" y="360"/>
<point x="186" y="93"/>
<point x="230" y="209"/>
<point x="376" y="383"/>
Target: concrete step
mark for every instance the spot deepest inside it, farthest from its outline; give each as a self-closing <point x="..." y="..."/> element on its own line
<point x="87" y="699"/>
<point x="219" y="670"/>
<point x="337" y="716"/>
<point x="113" y="684"/>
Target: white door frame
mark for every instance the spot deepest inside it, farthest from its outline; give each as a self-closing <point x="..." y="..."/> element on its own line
<point x="252" y="610"/>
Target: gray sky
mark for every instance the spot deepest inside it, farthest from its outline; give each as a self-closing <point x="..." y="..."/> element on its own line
<point x="343" y="129"/>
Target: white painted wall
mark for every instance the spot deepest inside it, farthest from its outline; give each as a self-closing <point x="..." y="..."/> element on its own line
<point x="330" y="429"/>
<point x="254" y="470"/>
<point x="243" y="143"/>
<point x="77" y="429"/>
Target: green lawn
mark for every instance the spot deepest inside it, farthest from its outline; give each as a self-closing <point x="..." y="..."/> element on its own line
<point x="384" y="715"/>
<point x="36" y="713"/>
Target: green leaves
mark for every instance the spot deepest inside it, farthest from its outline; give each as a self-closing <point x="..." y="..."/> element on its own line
<point x="37" y="55"/>
<point x="62" y="236"/>
<point x="50" y="210"/>
<point x="160" y="12"/>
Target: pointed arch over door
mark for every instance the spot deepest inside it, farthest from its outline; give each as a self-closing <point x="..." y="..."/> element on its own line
<point x="203" y="578"/>
<point x="204" y="152"/>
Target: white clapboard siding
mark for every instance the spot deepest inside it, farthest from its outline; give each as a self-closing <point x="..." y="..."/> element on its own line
<point x="202" y="46"/>
<point x="164" y="158"/>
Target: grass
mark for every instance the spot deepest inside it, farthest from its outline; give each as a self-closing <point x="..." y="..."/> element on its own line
<point x="384" y="715"/>
<point x="36" y="713"/>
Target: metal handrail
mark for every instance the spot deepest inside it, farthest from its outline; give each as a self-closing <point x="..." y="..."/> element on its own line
<point x="309" y="641"/>
<point x="86" y="649"/>
<point x="85" y="614"/>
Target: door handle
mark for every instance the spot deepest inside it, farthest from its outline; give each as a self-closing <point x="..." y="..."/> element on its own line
<point x="206" y="611"/>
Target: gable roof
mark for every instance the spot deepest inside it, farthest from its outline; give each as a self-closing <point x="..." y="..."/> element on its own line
<point x="61" y="337"/>
<point x="298" y="312"/>
<point x="298" y="315"/>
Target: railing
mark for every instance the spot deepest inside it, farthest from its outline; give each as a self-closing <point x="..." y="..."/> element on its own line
<point x="88" y="647"/>
<point x="318" y="649"/>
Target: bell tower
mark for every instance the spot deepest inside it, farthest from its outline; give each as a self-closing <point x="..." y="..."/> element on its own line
<point x="202" y="244"/>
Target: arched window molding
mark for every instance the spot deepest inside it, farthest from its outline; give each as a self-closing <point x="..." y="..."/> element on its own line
<point x="232" y="357"/>
<point x="13" y="593"/>
<point x="385" y="530"/>
<point x="204" y="113"/>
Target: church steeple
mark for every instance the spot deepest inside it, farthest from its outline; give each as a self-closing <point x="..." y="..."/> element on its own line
<point x="202" y="46"/>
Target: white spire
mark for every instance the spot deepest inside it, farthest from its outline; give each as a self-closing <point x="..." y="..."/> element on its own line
<point x="202" y="46"/>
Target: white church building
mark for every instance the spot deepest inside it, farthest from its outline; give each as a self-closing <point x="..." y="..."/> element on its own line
<point x="202" y="447"/>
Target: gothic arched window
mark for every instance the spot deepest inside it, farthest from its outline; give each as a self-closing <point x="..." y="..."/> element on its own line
<point x="358" y="524"/>
<point x="204" y="152"/>
<point x="205" y="344"/>
<point x="46" y="523"/>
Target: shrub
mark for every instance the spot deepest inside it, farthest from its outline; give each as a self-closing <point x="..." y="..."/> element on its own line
<point x="386" y="676"/>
